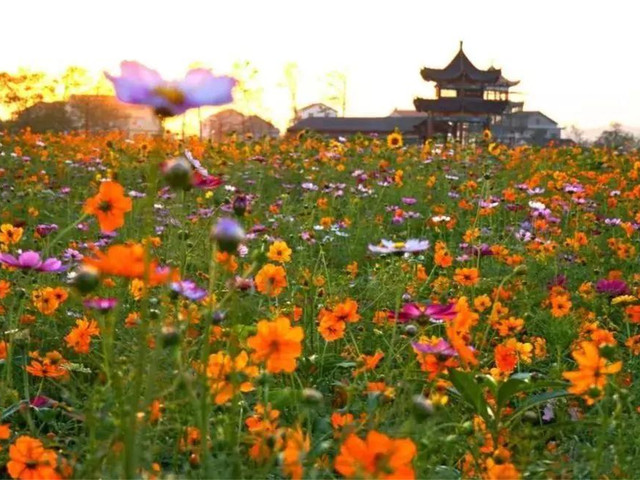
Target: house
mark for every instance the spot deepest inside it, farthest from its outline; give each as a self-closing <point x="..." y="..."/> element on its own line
<point x="526" y="127"/>
<point x="334" y="127"/>
<point x="219" y="125"/>
<point x="89" y="113"/>
<point x="408" y="113"/>
<point x="315" y="110"/>
<point x="106" y="112"/>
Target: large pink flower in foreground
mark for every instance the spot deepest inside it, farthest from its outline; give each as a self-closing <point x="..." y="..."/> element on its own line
<point x="141" y="85"/>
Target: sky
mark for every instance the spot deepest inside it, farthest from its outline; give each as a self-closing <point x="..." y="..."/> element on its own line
<point x="577" y="60"/>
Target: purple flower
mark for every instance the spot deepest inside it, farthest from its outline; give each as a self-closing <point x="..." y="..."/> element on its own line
<point x="409" y="200"/>
<point x="140" y="85"/>
<point x="441" y="348"/>
<point x="410" y="246"/>
<point x="559" y="280"/>
<point x="228" y="233"/>
<point x="31" y="260"/>
<point x="433" y="312"/>
<point x="45" y="229"/>
<point x="189" y="289"/>
<point x="613" y="288"/>
<point x="101" y="304"/>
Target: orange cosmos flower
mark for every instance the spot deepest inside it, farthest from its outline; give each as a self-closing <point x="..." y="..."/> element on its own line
<point x="128" y="261"/>
<point x="5" y="288"/>
<point x="369" y="362"/>
<point x="467" y="276"/>
<point x="109" y="206"/>
<point x="591" y="376"/>
<point x="347" y="311"/>
<point x="80" y="336"/>
<point x="5" y="431"/>
<point x="506" y="358"/>
<point x="3" y="350"/>
<point x="279" y="251"/>
<point x="10" y="234"/>
<point x="378" y="456"/>
<point x="52" y="365"/>
<point x="271" y="280"/>
<point x="560" y="305"/>
<point x="227" y="260"/>
<point x="296" y="446"/>
<point x="29" y="460"/>
<point x="221" y="371"/>
<point x="47" y="300"/>
<point x="330" y="327"/>
<point x="277" y="343"/>
<point x="633" y="313"/>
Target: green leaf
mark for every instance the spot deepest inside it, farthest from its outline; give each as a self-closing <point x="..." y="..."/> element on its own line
<point x="535" y="400"/>
<point x="511" y="387"/>
<point x="465" y="383"/>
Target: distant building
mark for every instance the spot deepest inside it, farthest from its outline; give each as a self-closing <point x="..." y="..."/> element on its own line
<point x="219" y="125"/>
<point x="316" y="110"/>
<point x="334" y="127"/>
<point x="468" y="99"/>
<point x="106" y="112"/>
<point x="526" y="127"/>
<point x="90" y="113"/>
<point x="408" y="113"/>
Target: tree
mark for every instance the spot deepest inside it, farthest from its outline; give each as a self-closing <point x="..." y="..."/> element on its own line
<point x="23" y="89"/>
<point x="616" y="138"/>
<point x="75" y="80"/>
<point x="290" y="82"/>
<point x="44" y="117"/>
<point x="337" y="91"/>
<point x="577" y="135"/>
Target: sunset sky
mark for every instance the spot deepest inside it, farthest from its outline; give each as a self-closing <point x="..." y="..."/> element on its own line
<point x="577" y="61"/>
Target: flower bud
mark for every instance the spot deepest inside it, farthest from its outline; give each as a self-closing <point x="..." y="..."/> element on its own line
<point x="218" y="316"/>
<point x="170" y="336"/>
<point x="177" y="173"/>
<point x="240" y="204"/>
<point x="85" y="279"/>
<point x="422" y="407"/>
<point x="410" y="330"/>
<point x="311" y="396"/>
<point x="228" y="233"/>
<point x="520" y="270"/>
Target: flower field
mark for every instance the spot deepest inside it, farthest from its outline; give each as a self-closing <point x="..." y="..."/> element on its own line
<point x="311" y="308"/>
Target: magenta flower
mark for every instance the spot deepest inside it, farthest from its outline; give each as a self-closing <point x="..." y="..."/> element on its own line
<point x="613" y="288"/>
<point x="31" y="260"/>
<point x="441" y="348"/>
<point x="433" y="312"/>
<point x="101" y="304"/>
<point x="140" y="85"/>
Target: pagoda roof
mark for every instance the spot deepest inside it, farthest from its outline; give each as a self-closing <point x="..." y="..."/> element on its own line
<point x="461" y="67"/>
<point x="477" y="106"/>
<point x="504" y="82"/>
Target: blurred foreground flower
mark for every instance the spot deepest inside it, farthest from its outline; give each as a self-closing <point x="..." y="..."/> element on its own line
<point x="140" y="85"/>
<point x="410" y="246"/>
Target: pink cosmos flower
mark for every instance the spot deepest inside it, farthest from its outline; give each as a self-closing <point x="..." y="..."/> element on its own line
<point x="140" y="85"/>
<point x="31" y="260"/>
<point x="433" y="312"/>
<point x="441" y="348"/>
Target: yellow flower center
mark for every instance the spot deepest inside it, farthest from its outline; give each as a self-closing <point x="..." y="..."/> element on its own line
<point x="172" y="94"/>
